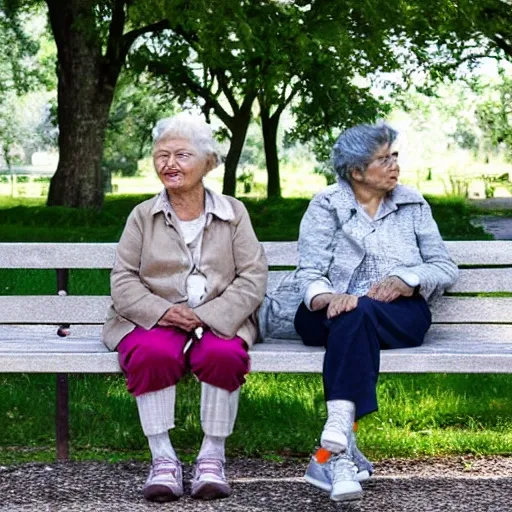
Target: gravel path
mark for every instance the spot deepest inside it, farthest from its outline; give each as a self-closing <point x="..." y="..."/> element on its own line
<point x="500" y="227"/>
<point x="469" y="484"/>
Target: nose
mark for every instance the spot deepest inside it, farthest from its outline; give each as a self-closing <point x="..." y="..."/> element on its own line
<point x="393" y="166"/>
<point x="171" y="161"/>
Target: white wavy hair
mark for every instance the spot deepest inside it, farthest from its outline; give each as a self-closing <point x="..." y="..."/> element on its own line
<point x="191" y="127"/>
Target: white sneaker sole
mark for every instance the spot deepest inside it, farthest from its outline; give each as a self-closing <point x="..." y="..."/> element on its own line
<point x="362" y="476"/>
<point x="351" y="491"/>
<point x="334" y="442"/>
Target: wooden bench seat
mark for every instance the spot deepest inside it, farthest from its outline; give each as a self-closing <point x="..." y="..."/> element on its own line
<point x="470" y="334"/>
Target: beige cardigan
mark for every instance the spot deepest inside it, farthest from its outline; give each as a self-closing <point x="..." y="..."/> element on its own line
<point x="153" y="262"/>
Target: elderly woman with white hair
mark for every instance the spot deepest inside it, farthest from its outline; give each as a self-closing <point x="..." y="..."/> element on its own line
<point x="370" y="260"/>
<point x="188" y="278"/>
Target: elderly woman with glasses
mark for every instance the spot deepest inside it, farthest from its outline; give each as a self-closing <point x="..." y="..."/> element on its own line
<point x="370" y="259"/>
<point x="188" y="278"/>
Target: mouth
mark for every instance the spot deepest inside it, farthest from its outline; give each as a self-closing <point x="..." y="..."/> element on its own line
<point x="171" y="175"/>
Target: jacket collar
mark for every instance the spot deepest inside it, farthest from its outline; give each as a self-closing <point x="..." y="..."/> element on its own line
<point x="215" y="204"/>
<point x="398" y="196"/>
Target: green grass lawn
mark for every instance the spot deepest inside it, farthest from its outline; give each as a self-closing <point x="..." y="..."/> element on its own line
<point x="279" y="414"/>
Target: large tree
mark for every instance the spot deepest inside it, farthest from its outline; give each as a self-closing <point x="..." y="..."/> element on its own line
<point x="93" y="38"/>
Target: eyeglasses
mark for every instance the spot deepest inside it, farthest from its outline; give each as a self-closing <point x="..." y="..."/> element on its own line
<point x="388" y="160"/>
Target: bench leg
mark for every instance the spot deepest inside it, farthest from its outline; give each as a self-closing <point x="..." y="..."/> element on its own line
<point x="62" y="417"/>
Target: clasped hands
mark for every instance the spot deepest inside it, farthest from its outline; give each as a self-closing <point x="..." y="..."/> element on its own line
<point x="386" y="290"/>
<point x="182" y="317"/>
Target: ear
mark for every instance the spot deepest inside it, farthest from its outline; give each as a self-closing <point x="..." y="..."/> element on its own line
<point x="356" y="174"/>
<point x="210" y="163"/>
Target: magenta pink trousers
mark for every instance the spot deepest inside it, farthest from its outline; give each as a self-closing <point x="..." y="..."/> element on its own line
<point x="153" y="360"/>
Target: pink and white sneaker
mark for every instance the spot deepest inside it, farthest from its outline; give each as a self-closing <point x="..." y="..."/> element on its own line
<point x="209" y="482"/>
<point x="165" y="481"/>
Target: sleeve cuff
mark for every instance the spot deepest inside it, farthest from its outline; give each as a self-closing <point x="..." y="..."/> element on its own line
<point x="314" y="289"/>
<point x="409" y="278"/>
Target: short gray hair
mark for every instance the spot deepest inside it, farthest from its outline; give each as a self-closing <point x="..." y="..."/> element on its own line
<point x="191" y="127"/>
<point x="355" y="147"/>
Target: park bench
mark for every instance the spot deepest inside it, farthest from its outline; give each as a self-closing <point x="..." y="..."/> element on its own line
<point x="470" y="334"/>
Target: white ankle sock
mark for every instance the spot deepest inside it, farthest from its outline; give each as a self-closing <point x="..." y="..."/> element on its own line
<point x="213" y="447"/>
<point x="161" y="447"/>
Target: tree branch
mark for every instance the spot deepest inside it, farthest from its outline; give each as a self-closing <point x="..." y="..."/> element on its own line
<point x="221" y="78"/>
<point x="286" y="101"/>
<point x="115" y="33"/>
<point x="502" y="44"/>
<point x="130" y="37"/>
<point x="207" y="96"/>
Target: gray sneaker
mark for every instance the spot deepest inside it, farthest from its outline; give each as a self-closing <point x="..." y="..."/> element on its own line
<point x="209" y="482"/>
<point x="320" y="474"/>
<point x="165" y="481"/>
<point x="363" y="465"/>
<point x="345" y="486"/>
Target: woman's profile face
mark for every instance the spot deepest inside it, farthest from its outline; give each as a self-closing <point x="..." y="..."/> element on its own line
<point x="382" y="173"/>
<point x="179" y="164"/>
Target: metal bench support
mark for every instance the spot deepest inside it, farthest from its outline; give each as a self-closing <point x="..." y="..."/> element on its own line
<point x="62" y="417"/>
<point x="62" y="385"/>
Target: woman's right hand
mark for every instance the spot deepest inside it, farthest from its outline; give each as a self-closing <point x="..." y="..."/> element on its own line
<point x="341" y="303"/>
<point x="182" y="317"/>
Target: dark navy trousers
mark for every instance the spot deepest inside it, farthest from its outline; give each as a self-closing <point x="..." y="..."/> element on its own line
<point x="353" y="342"/>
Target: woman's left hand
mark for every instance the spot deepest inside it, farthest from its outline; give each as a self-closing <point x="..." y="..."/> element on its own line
<point x="390" y="289"/>
<point x="180" y="316"/>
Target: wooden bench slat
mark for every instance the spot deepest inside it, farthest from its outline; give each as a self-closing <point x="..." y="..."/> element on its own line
<point x="484" y="253"/>
<point x="101" y="255"/>
<point x="483" y="280"/>
<point x="53" y="309"/>
<point x="75" y="309"/>
<point x="475" y="280"/>
<point x="57" y="255"/>
<point x="447" y="348"/>
<point x="470" y="310"/>
<point x="30" y="337"/>
<point x="303" y="361"/>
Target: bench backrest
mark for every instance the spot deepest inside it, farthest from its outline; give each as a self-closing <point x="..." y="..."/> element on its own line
<point x="486" y="267"/>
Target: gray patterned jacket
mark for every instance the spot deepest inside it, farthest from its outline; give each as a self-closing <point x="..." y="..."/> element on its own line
<point x="336" y="241"/>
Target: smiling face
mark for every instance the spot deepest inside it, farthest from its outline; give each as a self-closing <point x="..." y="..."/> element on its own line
<point x="382" y="173"/>
<point x="180" y="165"/>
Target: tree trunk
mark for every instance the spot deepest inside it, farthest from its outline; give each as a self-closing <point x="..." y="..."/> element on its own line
<point x="269" y="125"/>
<point x="78" y="181"/>
<point x="238" y="126"/>
<point x="85" y="92"/>
<point x="238" y="134"/>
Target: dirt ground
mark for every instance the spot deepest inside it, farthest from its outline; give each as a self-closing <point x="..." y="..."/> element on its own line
<point x="467" y="483"/>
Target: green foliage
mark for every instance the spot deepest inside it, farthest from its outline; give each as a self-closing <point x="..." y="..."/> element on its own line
<point x="135" y="110"/>
<point x="273" y="219"/>
<point x="494" y="115"/>
<point x="310" y="55"/>
<point x="26" y="64"/>
<point x="10" y="130"/>
<point x="17" y="70"/>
